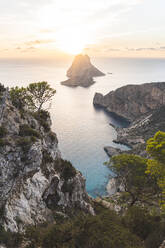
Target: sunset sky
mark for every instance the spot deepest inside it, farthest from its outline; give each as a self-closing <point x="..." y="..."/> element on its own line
<point x="127" y="28"/>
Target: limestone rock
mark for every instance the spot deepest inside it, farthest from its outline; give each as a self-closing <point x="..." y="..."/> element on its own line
<point x="98" y="100"/>
<point x="133" y="101"/>
<point x="111" y="151"/>
<point x="34" y="180"/>
<point x="162" y="245"/>
<point x="81" y="72"/>
<point x="136" y="135"/>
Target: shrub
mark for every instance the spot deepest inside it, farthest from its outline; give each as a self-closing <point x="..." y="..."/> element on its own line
<point x="3" y="132"/>
<point x="26" y="142"/>
<point x="10" y="239"/>
<point x="42" y="117"/>
<point x="18" y="97"/>
<point x="47" y="158"/>
<point x="4" y="142"/>
<point x="68" y="171"/>
<point x="148" y="227"/>
<point x="2" y="88"/>
<point x="25" y="130"/>
<point x="104" y="230"/>
<point x="53" y="136"/>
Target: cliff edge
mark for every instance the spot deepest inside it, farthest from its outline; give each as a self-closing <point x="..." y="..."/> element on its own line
<point x="132" y="101"/>
<point x="35" y="182"/>
<point x="144" y="106"/>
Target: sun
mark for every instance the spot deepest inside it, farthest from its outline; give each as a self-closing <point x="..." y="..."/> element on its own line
<point x="72" y="41"/>
<point x="72" y="47"/>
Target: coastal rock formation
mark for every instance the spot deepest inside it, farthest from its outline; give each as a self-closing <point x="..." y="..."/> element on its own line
<point x="133" y="101"/>
<point x="35" y="181"/>
<point x="111" y="151"/>
<point x="114" y="186"/>
<point x="148" y="114"/>
<point x="81" y="72"/>
<point x="136" y="135"/>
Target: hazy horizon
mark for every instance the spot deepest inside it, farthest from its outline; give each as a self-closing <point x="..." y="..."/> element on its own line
<point x="59" y="29"/>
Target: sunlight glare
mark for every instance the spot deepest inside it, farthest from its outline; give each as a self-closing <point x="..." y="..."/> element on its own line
<point x="72" y="41"/>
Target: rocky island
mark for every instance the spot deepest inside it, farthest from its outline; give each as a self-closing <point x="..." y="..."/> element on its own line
<point x="82" y="72"/>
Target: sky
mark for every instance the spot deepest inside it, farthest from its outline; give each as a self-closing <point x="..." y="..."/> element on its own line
<point x="100" y="28"/>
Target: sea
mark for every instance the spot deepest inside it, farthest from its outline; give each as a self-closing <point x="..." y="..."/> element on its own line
<point x="83" y="130"/>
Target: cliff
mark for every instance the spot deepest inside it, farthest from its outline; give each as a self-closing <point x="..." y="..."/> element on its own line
<point x="81" y="72"/>
<point x="132" y="101"/>
<point x="144" y="106"/>
<point x="136" y="135"/>
<point x="35" y="182"/>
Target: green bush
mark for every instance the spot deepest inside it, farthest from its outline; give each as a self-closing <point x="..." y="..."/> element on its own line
<point x="2" y="88"/>
<point x="139" y="221"/>
<point x="104" y="230"/>
<point x="10" y="239"/>
<point x="53" y="136"/>
<point x="4" y="142"/>
<point x="42" y="117"/>
<point x="68" y="171"/>
<point x="65" y="168"/>
<point x="150" y="228"/>
<point x="18" y="97"/>
<point x="26" y="130"/>
<point x="47" y="158"/>
<point x="26" y="142"/>
<point x="3" y="132"/>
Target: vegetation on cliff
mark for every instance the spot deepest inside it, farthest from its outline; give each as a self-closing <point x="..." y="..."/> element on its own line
<point x="61" y="194"/>
<point x="32" y="97"/>
<point x="141" y="224"/>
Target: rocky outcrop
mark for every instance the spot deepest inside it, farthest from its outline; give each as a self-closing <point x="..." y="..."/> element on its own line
<point x="81" y="72"/>
<point x="133" y="101"/>
<point x="34" y="180"/>
<point x="114" y="186"/>
<point x="136" y="135"/>
<point x="162" y="245"/>
<point x="112" y="151"/>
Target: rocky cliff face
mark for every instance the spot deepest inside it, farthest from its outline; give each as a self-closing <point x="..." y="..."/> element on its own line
<point x="133" y="101"/>
<point x="139" y="131"/>
<point x="34" y="181"/>
<point x="81" y="72"/>
<point x="137" y="134"/>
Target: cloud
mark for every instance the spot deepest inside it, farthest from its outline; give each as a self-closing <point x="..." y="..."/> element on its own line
<point x="28" y="49"/>
<point x="47" y="31"/>
<point x="38" y="42"/>
<point x="139" y="49"/>
<point x="113" y="50"/>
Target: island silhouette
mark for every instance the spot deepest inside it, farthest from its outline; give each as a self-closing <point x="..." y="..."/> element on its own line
<point x="82" y="72"/>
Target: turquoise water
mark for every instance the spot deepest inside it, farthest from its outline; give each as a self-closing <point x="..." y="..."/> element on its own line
<point x="82" y="130"/>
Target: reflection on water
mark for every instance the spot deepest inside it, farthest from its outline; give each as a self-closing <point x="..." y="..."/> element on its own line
<point x="82" y="130"/>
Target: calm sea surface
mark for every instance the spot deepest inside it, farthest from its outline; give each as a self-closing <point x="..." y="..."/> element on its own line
<point x="82" y="130"/>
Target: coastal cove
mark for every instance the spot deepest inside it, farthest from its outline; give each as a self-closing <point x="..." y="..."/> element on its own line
<point x="82" y="130"/>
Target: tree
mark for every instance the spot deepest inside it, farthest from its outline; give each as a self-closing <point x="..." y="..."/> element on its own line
<point x="156" y="165"/>
<point x="38" y="94"/>
<point x="130" y="170"/>
<point x="19" y="97"/>
<point x="33" y="97"/>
